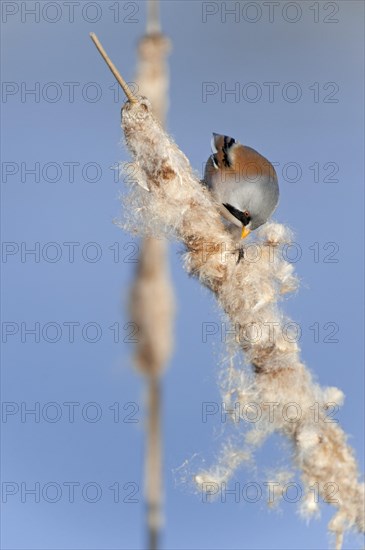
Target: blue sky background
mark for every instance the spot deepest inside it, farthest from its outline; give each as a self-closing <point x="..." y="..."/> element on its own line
<point x="37" y="129"/>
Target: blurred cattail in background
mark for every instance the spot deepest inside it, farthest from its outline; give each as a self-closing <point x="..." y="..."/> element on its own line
<point x="152" y="300"/>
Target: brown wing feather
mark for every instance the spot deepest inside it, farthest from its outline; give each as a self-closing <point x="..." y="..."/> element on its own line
<point x="252" y="165"/>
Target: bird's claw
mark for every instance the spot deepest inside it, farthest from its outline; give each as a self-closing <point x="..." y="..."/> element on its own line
<point x="241" y="254"/>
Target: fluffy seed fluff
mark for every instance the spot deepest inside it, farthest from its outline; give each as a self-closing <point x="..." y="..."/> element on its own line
<point x="248" y="293"/>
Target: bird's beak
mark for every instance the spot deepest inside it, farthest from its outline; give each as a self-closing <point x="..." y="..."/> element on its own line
<point x="245" y="232"/>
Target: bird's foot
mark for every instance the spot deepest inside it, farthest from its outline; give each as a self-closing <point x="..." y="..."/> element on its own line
<point x="241" y="254"/>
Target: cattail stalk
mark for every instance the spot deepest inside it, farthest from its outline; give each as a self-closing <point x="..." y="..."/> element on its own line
<point x="152" y="303"/>
<point x="249" y="293"/>
<point x="152" y="309"/>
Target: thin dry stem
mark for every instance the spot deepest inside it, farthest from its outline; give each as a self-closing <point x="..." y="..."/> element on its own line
<point x="153" y="17"/>
<point x="126" y="89"/>
<point x="153" y="476"/>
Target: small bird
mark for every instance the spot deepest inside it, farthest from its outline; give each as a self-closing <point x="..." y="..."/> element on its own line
<point x="243" y="182"/>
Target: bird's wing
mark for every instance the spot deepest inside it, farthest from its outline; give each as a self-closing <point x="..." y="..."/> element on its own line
<point x="220" y="148"/>
<point x="253" y="166"/>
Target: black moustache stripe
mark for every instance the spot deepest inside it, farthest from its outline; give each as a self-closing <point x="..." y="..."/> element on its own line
<point x="245" y="220"/>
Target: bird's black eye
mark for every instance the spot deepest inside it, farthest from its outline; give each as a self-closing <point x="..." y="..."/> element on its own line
<point x="247" y="216"/>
